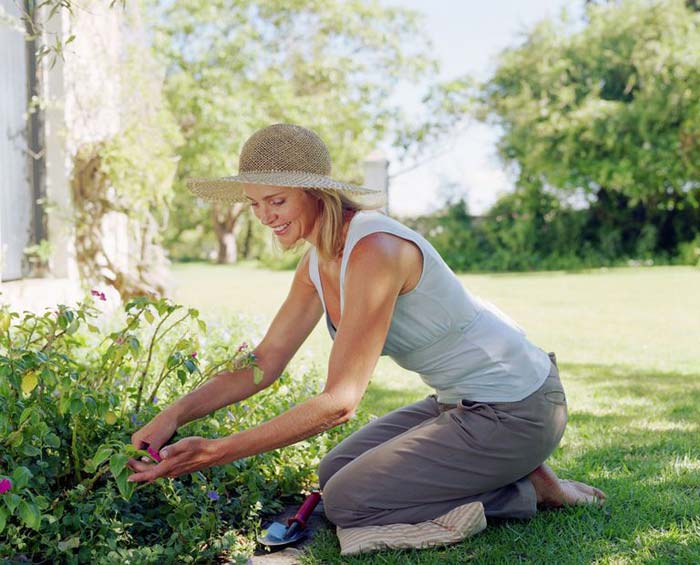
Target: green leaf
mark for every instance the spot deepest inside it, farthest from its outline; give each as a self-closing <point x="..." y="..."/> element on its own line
<point x="117" y="463"/>
<point x="202" y="325"/>
<point x="134" y="345"/>
<point x="149" y="316"/>
<point x="131" y="451"/>
<point x="70" y="543"/>
<point x="3" y="518"/>
<point x="257" y="375"/>
<point x="12" y="500"/>
<point x="20" y="477"/>
<point x="15" y="439"/>
<point x="101" y="455"/>
<point x="29" y="514"/>
<point x="30" y="450"/>
<point x="126" y="489"/>
<point x="25" y="415"/>
<point x="182" y="376"/>
<point x="52" y="440"/>
<point x="75" y="406"/>
<point x="64" y="405"/>
<point x="41" y="502"/>
<point x="93" y="329"/>
<point x="190" y="365"/>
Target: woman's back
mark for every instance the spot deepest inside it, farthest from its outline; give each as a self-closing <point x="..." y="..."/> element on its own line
<point x="460" y="345"/>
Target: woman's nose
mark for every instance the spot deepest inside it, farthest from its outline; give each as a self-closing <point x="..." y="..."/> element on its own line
<point x="266" y="216"/>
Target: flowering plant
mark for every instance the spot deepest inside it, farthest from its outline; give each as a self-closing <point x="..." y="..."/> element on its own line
<point x="74" y="387"/>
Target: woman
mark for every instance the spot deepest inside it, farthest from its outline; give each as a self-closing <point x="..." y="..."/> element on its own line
<point x="499" y="409"/>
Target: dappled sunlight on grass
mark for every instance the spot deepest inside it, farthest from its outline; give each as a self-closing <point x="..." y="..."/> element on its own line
<point x="628" y="346"/>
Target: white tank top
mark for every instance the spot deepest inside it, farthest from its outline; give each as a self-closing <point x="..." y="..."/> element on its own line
<point x="461" y="346"/>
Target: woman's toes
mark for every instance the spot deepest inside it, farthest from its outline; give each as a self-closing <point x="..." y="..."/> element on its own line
<point x="581" y="493"/>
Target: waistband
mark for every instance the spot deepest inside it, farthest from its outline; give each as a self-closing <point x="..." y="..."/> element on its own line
<point x="444" y="407"/>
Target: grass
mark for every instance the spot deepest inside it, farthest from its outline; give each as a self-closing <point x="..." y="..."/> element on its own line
<point x="628" y="343"/>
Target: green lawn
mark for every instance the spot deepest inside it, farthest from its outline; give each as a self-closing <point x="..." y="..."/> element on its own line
<point x="628" y="343"/>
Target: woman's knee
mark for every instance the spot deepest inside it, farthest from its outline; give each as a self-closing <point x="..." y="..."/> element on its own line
<point x="326" y="469"/>
<point x="333" y="462"/>
<point x="339" y="502"/>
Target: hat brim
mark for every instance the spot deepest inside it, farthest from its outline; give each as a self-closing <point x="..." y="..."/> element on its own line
<point x="229" y="190"/>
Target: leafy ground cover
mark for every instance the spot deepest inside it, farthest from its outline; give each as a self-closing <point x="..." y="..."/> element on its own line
<point x="75" y="383"/>
<point x="627" y="341"/>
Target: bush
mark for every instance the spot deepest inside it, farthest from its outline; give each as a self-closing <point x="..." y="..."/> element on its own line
<point x="71" y="394"/>
<point x="689" y="252"/>
<point x="531" y="229"/>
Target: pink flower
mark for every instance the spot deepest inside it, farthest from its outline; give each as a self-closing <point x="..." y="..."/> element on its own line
<point x="194" y="355"/>
<point x="100" y="295"/>
<point x="243" y="347"/>
<point x="5" y="485"/>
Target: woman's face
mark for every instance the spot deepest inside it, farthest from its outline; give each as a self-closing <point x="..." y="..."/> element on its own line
<point x="291" y="213"/>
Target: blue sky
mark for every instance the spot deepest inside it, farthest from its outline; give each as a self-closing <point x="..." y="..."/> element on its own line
<point x="467" y="36"/>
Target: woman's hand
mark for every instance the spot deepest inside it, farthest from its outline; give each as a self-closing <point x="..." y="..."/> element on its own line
<point x="156" y="433"/>
<point x="186" y="456"/>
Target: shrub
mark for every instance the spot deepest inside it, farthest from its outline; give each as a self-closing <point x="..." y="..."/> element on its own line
<point x="71" y="394"/>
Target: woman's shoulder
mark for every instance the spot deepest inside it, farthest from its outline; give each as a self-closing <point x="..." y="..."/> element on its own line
<point x="382" y="252"/>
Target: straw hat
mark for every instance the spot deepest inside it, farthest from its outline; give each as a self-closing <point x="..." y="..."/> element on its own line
<point x="278" y="155"/>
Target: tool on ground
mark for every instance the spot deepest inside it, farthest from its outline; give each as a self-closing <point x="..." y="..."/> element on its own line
<point x="278" y="534"/>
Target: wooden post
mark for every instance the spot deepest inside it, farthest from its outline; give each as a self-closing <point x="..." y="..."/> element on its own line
<point x="377" y="174"/>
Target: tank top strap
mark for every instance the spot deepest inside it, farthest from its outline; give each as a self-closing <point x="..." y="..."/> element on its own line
<point x="363" y="224"/>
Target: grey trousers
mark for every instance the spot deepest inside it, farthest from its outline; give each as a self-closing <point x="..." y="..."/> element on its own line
<point x="421" y="461"/>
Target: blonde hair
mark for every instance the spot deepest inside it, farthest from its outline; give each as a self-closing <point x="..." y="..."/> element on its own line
<point x="332" y="205"/>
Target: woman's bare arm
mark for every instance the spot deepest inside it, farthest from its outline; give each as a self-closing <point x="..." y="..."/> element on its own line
<point x="295" y="320"/>
<point x="373" y="282"/>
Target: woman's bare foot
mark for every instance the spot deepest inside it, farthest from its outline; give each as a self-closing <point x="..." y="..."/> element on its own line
<point x="554" y="492"/>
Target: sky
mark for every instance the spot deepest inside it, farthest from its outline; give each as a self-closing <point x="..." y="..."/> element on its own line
<point x="467" y="35"/>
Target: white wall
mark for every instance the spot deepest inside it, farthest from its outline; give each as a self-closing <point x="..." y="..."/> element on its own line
<point x="82" y="95"/>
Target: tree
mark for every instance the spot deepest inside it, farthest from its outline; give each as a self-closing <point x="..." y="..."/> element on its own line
<point x="612" y="106"/>
<point x="608" y="109"/>
<point x="235" y="66"/>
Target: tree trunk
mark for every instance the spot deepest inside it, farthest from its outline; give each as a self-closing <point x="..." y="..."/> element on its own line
<point x="248" y="240"/>
<point x="224" y="219"/>
<point x="228" y="251"/>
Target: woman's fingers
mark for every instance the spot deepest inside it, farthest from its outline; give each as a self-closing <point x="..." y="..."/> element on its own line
<point x="146" y="472"/>
<point x="186" y="456"/>
<point x="138" y="465"/>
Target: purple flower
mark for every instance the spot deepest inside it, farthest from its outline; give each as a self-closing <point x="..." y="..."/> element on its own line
<point x="135" y="420"/>
<point x="100" y="295"/>
<point x="230" y="415"/>
<point x="242" y="347"/>
<point x="194" y="355"/>
<point x="213" y="495"/>
<point x="153" y="453"/>
<point x="155" y="400"/>
<point x="6" y="484"/>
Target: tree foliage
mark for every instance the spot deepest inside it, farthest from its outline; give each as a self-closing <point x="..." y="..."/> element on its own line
<point x="236" y="66"/>
<point x="613" y="105"/>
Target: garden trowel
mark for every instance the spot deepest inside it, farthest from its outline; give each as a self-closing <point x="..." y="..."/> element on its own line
<point x="278" y="534"/>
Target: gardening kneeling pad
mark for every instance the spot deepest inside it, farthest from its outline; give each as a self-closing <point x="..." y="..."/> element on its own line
<point x="454" y="526"/>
